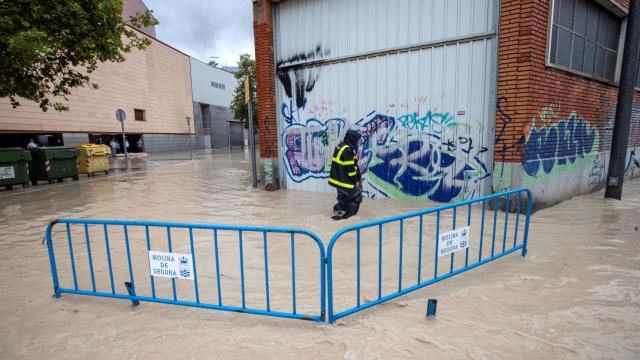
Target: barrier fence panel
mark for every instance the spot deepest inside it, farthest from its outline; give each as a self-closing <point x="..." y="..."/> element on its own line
<point x="400" y="254"/>
<point x="270" y="271"/>
<point x="219" y="267"/>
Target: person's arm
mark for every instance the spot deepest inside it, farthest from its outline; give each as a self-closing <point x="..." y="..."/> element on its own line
<point x="352" y="170"/>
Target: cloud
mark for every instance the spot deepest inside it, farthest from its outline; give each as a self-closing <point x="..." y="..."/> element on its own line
<point x="205" y="28"/>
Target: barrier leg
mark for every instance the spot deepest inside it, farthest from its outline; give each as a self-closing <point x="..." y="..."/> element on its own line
<point x="431" y="307"/>
<point x="132" y="292"/>
<point x="52" y="260"/>
<point x="526" y="224"/>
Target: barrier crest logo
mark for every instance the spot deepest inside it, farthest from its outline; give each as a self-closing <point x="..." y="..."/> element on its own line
<point x="185" y="269"/>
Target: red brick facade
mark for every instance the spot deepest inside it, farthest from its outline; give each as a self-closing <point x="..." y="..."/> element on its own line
<point x="529" y="85"/>
<point x="265" y="79"/>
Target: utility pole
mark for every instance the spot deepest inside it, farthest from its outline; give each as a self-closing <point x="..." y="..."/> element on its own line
<point x="624" y="108"/>
<point x="252" y="139"/>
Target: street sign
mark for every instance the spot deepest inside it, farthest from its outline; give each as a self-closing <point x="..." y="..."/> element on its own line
<point x="120" y="115"/>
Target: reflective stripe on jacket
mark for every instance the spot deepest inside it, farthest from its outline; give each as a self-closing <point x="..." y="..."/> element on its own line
<point x="344" y="168"/>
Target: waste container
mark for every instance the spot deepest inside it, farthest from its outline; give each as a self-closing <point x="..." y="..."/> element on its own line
<point x="14" y="167"/>
<point x="93" y="158"/>
<point x="53" y="163"/>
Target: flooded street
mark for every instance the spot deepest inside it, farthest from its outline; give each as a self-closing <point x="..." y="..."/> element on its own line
<point x="576" y="295"/>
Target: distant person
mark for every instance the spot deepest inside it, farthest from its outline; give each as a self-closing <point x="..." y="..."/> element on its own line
<point x="139" y="145"/>
<point x="31" y="144"/>
<point x="114" y="147"/>
<point x="345" y="177"/>
<point x="126" y="144"/>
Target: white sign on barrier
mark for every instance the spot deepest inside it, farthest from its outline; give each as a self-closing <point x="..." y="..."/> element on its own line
<point x="453" y="241"/>
<point x="171" y="265"/>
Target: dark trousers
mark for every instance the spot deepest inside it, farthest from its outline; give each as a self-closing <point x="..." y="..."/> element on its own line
<point x="348" y="202"/>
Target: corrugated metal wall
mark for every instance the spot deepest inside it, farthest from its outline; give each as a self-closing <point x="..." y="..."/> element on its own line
<point x="415" y="77"/>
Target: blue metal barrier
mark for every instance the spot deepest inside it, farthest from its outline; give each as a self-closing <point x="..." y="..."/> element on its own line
<point x="501" y="200"/>
<point x="510" y="201"/>
<point x="174" y="299"/>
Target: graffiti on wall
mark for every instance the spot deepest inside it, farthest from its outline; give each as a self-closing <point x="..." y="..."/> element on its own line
<point x="555" y="144"/>
<point x="596" y="175"/>
<point x="502" y="181"/>
<point x="633" y="164"/>
<point x="400" y="156"/>
<point x="306" y="148"/>
<point x="502" y="145"/>
<point x="407" y="150"/>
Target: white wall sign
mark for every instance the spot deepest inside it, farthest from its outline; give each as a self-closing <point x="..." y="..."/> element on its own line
<point x="171" y="265"/>
<point x="7" y="172"/>
<point x="453" y="241"/>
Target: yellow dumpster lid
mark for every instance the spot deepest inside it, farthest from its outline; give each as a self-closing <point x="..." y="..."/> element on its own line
<point x="98" y="149"/>
<point x="90" y="146"/>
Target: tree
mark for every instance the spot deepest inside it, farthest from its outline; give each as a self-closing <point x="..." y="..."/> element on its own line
<point x="48" y="48"/>
<point x="247" y="67"/>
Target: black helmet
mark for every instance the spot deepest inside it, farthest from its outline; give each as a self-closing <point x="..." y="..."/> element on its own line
<point x="351" y="138"/>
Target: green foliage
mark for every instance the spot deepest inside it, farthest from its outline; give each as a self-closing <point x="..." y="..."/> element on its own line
<point x="247" y="67"/>
<point x="48" y="48"/>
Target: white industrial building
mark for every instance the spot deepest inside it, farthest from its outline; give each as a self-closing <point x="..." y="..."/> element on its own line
<point x="212" y="94"/>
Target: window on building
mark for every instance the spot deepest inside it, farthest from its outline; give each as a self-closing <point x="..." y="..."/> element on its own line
<point x="218" y="85"/>
<point x="584" y="38"/>
<point x="139" y="115"/>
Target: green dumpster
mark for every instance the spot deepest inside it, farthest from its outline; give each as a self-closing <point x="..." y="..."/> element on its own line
<point x="53" y="163"/>
<point x="14" y="167"/>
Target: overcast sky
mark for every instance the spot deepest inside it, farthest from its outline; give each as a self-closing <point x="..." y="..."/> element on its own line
<point x="205" y="28"/>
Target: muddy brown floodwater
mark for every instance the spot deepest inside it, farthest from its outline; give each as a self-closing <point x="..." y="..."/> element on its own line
<point x="576" y="295"/>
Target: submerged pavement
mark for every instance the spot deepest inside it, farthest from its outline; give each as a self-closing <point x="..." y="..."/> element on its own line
<point x="576" y="295"/>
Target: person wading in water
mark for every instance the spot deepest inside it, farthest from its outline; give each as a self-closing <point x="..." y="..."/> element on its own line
<point x="345" y="177"/>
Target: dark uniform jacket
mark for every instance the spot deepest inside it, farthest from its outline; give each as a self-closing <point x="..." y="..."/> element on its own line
<point x="345" y="173"/>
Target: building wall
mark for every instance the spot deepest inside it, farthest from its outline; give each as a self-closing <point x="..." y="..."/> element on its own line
<point x="236" y="134"/>
<point x="72" y="139"/>
<point x="553" y="128"/>
<point x="156" y="80"/>
<point x="130" y="8"/>
<point x="156" y="143"/>
<point x="213" y="90"/>
<point x="220" y="117"/>
<point x="551" y="131"/>
<point x="422" y="97"/>
<point x="203" y="75"/>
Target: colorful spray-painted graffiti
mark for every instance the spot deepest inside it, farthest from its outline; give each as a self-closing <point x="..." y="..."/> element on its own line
<point x="405" y="156"/>
<point x="555" y="143"/>
<point x="431" y="121"/>
<point x="306" y="148"/>
<point x="569" y="145"/>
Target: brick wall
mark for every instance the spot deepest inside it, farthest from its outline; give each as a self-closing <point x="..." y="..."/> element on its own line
<point x="265" y="78"/>
<point x="535" y="99"/>
<point x="528" y="86"/>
